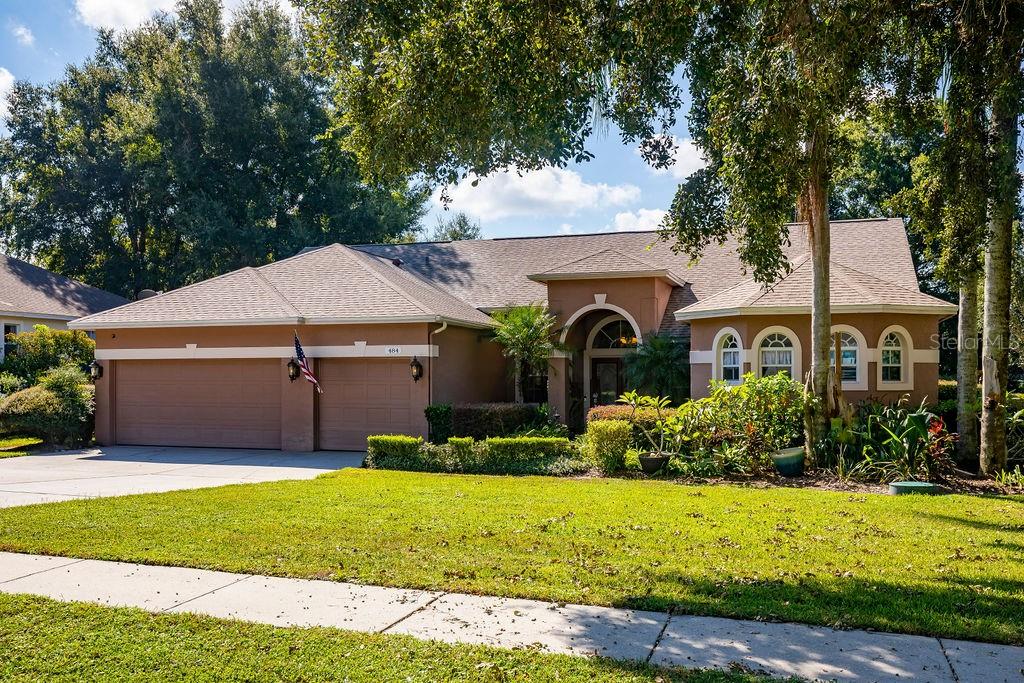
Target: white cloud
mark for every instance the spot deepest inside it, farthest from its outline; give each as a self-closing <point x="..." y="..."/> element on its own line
<point x="641" y="219"/>
<point x="118" y="14"/>
<point x="23" y="34"/>
<point x="6" y="84"/>
<point x="565" y="228"/>
<point x="548" y="191"/>
<point x="688" y="159"/>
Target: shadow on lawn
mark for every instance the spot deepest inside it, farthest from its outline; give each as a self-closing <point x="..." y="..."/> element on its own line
<point x="958" y="607"/>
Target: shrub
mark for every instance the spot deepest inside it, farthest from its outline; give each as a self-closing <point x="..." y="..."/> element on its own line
<point x="65" y="379"/>
<point x="642" y="419"/>
<point x="483" y="420"/>
<point x="889" y="442"/>
<point x="606" y="443"/>
<point x="522" y="454"/>
<point x="61" y="417"/>
<point x="44" y="348"/>
<point x="10" y="383"/>
<point x="439" y="422"/>
<point x="395" y="452"/>
<point x="515" y="455"/>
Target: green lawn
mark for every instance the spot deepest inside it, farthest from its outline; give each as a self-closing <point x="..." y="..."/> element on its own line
<point x="46" y="640"/>
<point x="946" y="566"/>
<point x="13" y="446"/>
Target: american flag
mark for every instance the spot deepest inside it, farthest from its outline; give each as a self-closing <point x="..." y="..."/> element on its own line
<point x="304" y="364"/>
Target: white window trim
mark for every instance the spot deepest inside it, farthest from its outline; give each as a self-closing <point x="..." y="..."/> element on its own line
<point x="716" y="353"/>
<point x="755" y="348"/>
<point x="907" y="357"/>
<point x="3" y="346"/>
<point x="863" y="350"/>
<point x="599" y="307"/>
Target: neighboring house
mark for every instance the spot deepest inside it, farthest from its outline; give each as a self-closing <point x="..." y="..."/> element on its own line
<point x="30" y="295"/>
<point x="206" y="365"/>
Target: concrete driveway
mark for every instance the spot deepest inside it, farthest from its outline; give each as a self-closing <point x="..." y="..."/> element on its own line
<point x="121" y="470"/>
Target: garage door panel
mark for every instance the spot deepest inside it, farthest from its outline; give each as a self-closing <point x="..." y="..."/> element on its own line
<point x="218" y="403"/>
<point x="363" y="397"/>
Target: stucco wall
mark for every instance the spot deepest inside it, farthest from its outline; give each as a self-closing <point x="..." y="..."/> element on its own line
<point x="644" y="299"/>
<point x="469" y="367"/>
<point x="923" y="330"/>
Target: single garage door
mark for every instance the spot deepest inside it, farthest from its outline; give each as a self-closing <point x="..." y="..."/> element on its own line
<point x="219" y="403"/>
<point x="363" y="397"/>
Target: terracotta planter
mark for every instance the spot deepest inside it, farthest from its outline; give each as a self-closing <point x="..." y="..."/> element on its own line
<point x="650" y="463"/>
<point x="789" y="461"/>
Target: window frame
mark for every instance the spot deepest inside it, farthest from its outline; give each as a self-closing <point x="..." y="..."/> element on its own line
<point x="717" y="370"/>
<point x="860" y="382"/>
<point x="906" y="381"/>
<point x="796" y="369"/>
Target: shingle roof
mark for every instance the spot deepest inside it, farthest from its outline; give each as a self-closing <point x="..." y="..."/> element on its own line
<point x="330" y="284"/>
<point x="603" y="263"/>
<point x="849" y="289"/>
<point x="29" y="290"/>
<point x="456" y="280"/>
<point x="494" y="273"/>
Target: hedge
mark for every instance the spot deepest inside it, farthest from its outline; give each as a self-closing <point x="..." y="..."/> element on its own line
<point x="439" y="422"/>
<point x="606" y="443"/>
<point x="483" y="420"/>
<point x="514" y="455"/>
<point x="57" y="417"/>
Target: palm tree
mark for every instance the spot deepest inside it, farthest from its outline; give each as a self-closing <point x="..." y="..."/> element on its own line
<point x="660" y="366"/>
<point x="526" y="337"/>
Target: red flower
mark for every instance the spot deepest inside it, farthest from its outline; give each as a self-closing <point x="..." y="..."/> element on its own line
<point x="937" y="426"/>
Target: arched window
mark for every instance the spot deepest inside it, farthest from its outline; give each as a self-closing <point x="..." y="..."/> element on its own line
<point x="618" y="334"/>
<point x="848" y="350"/>
<point x="892" y="358"/>
<point x="730" y="358"/>
<point x="776" y="355"/>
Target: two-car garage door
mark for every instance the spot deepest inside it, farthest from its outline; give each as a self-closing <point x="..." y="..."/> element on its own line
<point x="237" y="403"/>
<point x="229" y="403"/>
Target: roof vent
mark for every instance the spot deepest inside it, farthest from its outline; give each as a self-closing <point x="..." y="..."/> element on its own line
<point x="396" y="262"/>
<point x="146" y="294"/>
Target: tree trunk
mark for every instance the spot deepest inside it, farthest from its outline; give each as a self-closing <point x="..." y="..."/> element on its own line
<point x="815" y="211"/>
<point x="967" y="371"/>
<point x="517" y="379"/>
<point x="998" y="254"/>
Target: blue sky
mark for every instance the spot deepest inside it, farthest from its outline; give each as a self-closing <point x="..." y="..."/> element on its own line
<point x="615" y="191"/>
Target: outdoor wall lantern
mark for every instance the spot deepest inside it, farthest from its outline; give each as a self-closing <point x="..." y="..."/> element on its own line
<point x="417" y="369"/>
<point x="293" y="370"/>
<point x="95" y="370"/>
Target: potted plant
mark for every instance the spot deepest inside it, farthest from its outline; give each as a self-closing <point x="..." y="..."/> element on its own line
<point x="789" y="462"/>
<point x="662" y="435"/>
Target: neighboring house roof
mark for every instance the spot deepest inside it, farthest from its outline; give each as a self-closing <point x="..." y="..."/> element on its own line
<point x="608" y="263"/>
<point x="332" y="284"/>
<point x="850" y="291"/>
<point x="33" y="292"/>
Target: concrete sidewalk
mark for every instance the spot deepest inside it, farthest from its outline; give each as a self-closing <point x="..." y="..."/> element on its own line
<point x="698" y="642"/>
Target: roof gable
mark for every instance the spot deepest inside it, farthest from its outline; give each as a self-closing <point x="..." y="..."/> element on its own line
<point x="32" y="291"/>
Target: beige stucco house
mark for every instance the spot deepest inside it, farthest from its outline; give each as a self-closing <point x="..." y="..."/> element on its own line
<point x="206" y="365"/>
<point x="30" y="296"/>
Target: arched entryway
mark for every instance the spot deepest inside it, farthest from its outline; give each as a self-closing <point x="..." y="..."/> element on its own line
<point x="608" y="342"/>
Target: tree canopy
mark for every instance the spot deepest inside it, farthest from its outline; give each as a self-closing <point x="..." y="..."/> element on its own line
<point x="183" y="149"/>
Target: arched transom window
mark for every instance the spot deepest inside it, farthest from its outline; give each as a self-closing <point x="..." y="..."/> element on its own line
<point x="848" y="351"/>
<point x="892" y="358"/>
<point x="618" y="334"/>
<point x="776" y="355"/>
<point x="730" y="358"/>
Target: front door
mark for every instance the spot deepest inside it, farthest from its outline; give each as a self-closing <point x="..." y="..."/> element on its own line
<point x="606" y="381"/>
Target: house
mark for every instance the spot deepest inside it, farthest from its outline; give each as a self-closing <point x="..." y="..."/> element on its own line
<point x="30" y="296"/>
<point x="206" y="365"/>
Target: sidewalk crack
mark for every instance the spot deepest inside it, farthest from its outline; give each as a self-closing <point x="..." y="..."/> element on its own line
<point x="949" y="662"/>
<point x="418" y="609"/>
<point x="203" y="595"/>
<point x="657" y="641"/>
<point x="43" y="571"/>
